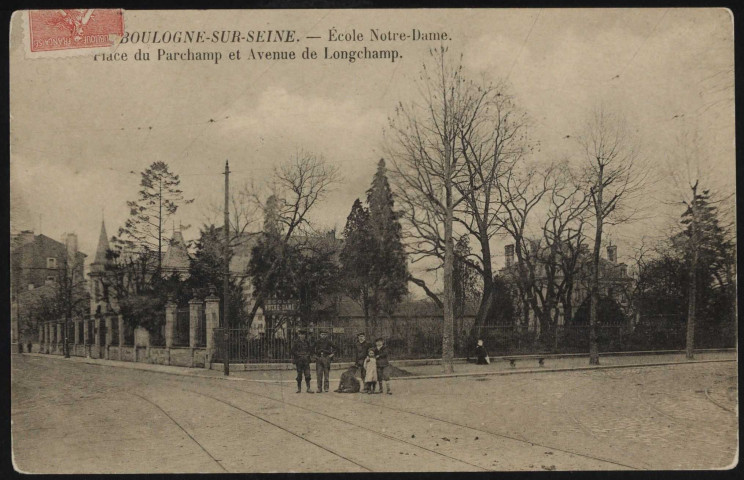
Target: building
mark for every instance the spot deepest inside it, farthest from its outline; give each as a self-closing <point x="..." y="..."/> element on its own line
<point x="614" y="282"/>
<point x="175" y="260"/>
<point x="36" y="265"/>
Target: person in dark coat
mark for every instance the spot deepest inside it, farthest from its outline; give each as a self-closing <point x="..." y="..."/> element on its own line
<point x="301" y="352"/>
<point x="349" y="383"/>
<point x="361" y="350"/>
<point x="324" y="351"/>
<point x="383" y="364"/>
<point x="481" y="353"/>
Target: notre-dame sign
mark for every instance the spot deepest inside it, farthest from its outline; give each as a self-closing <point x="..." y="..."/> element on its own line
<point x="278" y="306"/>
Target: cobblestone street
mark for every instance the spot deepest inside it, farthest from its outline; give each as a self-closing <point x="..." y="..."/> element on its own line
<point x="70" y="417"/>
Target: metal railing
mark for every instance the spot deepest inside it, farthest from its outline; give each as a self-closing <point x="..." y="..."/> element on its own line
<point x="409" y="342"/>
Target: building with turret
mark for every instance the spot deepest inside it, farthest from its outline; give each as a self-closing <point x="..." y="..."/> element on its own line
<point x="175" y="260"/>
<point x="614" y="282"/>
<point x="98" y="300"/>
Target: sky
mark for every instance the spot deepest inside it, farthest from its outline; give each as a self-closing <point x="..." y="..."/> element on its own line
<point x="82" y="130"/>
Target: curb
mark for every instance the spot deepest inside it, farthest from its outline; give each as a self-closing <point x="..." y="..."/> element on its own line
<point x="186" y="373"/>
<point x="553" y="370"/>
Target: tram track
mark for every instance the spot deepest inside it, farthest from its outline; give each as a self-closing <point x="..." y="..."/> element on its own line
<point x="373" y="431"/>
<point x="182" y="429"/>
<point x="437" y="419"/>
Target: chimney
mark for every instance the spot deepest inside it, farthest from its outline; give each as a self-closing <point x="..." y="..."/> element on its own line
<point x="509" y="254"/>
<point x="26" y="236"/>
<point x="612" y="253"/>
<point x="71" y="243"/>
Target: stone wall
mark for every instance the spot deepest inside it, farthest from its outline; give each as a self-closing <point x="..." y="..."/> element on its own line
<point x="127" y="354"/>
<point x="140" y="354"/>
<point x="113" y="352"/>
<point x="180" y="356"/>
<point x="200" y="357"/>
<point x="158" y="356"/>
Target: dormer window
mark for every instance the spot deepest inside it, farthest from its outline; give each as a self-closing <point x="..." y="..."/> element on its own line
<point x="51" y="262"/>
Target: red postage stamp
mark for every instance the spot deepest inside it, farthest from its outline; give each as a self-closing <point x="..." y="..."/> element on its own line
<point x="52" y="30"/>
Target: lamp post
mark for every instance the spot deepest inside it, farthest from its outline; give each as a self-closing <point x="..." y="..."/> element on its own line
<point x="226" y="279"/>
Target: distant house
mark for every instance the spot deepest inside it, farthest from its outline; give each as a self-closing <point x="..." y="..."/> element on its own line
<point x="36" y="262"/>
<point x="175" y="260"/>
<point x="614" y="282"/>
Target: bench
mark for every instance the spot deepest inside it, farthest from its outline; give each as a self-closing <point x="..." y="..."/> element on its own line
<point x="513" y="360"/>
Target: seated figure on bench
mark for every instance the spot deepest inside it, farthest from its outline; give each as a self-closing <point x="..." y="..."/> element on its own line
<point x="482" y="354"/>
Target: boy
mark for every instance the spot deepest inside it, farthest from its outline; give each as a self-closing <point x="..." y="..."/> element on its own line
<point x="301" y="358"/>
<point x="383" y="364"/>
<point x="361" y="347"/>
<point x="324" y="351"/>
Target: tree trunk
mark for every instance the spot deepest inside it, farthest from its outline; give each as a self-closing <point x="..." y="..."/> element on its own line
<point x="448" y="326"/>
<point x="65" y="345"/>
<point x="594" y="300"/>
<point x="484" y="310"/>
<point x="366" y="313"/>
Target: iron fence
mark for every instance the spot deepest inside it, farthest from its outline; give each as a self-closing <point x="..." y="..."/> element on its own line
<point x="410" y="342"/>
<point x="181" y="337"/>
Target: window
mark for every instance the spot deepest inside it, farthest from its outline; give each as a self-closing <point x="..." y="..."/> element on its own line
<point x="49" y="279"/>
<point x="51" y="262"/>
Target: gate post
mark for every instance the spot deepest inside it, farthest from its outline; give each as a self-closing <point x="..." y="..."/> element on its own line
<point x="195" y="311"/>
<point x="86" y="336"/>
<point x="212" y="311"/>
<point x="60" y="338"/>
<point x="77" y="335"/>
<point x="97" y="335"/>
<point x="120" y="319"/>
<point x="170" y="326"/>
<point x="109" y="334"/>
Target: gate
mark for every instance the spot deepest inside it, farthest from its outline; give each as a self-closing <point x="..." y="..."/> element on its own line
<point x="181" y="337"/>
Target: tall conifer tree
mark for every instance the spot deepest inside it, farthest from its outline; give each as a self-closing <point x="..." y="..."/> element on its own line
<point x="388" y="271"/>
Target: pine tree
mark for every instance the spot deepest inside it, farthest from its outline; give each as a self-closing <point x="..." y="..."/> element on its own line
<point x="356" y="257"/>
<point x="707" y="253"/>
<point x="159" y="199"/>
<point x="388" y="271"/>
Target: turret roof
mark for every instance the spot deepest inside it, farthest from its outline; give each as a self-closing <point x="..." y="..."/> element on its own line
<point x="103" y="247"/>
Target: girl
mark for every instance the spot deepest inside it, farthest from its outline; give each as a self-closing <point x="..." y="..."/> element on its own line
<point x="370" y="366"/>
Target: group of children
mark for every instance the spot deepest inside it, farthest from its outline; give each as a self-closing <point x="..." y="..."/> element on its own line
<point x="372" y="361"/>
<point x="376" y="368"/>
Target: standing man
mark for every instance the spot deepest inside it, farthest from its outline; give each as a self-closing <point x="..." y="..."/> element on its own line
<point x="324" y="351"/>
<point x="361" y="349"/>
<point x="301" y="352"/>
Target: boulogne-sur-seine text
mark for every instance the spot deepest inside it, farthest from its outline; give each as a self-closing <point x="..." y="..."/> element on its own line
<point x="277" y="36"/>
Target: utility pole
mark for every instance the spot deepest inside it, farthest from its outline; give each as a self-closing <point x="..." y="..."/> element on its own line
<point x="692" y="293"/>
<point x="226" y="279"/>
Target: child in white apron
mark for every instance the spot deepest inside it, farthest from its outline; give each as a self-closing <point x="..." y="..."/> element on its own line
<point x="370" y="366"/>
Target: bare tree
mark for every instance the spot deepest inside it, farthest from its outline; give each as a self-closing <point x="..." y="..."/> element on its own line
<point x="299" y="185"/>
<point x="429" y="170"/>
<point x="492" y="145"/>
<point x="612" y="176"/>
<point x="521" y="191"/>
<point x="244" y="214"/>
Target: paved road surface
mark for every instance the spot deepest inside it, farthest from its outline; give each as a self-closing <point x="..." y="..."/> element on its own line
<point x="78" y="418"/>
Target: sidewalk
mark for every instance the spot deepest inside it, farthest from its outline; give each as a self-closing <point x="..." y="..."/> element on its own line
<point x="498" y="366"/>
